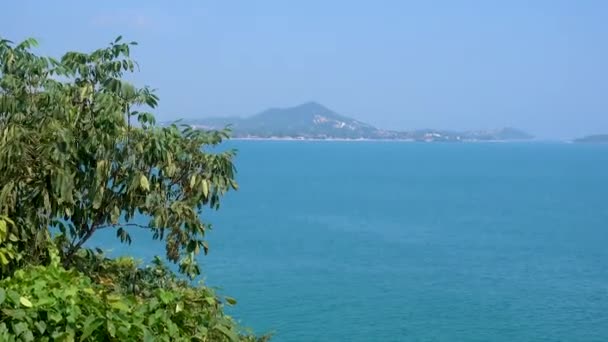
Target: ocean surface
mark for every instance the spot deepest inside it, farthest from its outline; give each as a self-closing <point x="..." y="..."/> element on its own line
<point x="392" y="241"/>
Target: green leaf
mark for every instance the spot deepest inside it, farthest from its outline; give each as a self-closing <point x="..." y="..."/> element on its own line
<point x="2" y="295"/>
<point x="27" y="336"/>
<point x="13" y="296"/>
<point x="25" y="302"/>
<point x="117" y="303"/>
<point x="228" y="333"/>
<point x="231" y="300"/>
<point x="100" y="171"/>
<point x="41" y="326"/>
<point x="55" y="317"/>
<point x="89" y="326"/>
<point x="143" y="183"/>
<point x="205" y="188"/>
<point x="15" y="314"/>
<point x="3" y="259"/>
<point x="148" y="337"/>
<point x="165" y="297"/>
<point x="97" y="200"/>
<point x="123" y="235"/>
<point x="120" y="306"/>
<point x="3" y="229"/>
<point x="111" y="328"/>
<point x="19" y="328"/>
<point x="115" y="215"/>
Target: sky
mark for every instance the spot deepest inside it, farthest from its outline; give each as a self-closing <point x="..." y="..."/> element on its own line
<point x="537" y="65"/>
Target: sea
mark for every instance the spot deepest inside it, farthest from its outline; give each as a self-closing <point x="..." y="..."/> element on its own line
<point x="398" y="241"/>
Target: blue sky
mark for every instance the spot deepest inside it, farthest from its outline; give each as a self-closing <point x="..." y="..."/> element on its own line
<point x="538" y="65"/>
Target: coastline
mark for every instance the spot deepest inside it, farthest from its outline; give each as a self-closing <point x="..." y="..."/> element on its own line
<point x="380" y="140"/>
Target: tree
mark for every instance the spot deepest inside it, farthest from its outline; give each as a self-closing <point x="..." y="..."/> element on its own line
<point x="80" y="152"/>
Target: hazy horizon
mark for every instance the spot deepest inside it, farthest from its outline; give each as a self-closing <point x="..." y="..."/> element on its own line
<point x="371" y="123"/>
<point x="540" y="67"/>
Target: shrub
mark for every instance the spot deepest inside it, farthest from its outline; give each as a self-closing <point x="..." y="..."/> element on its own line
<point x="50" y="303"/>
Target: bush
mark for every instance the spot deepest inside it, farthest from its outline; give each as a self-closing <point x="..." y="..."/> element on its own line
<point x="50" y="303"/>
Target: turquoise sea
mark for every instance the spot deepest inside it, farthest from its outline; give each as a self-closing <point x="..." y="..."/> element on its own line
<point x="389" y="241"/>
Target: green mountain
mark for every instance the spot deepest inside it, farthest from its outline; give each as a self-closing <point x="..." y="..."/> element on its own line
<point x="308" y="120"/>
<point x="315" y="121"/>
<point x="596" y="138"/>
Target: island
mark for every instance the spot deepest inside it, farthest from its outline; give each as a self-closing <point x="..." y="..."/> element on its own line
<point x="313" y="121"/>
<point x="596" y="138"/>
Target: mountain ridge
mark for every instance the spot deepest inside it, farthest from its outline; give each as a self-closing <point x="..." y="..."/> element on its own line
<point x="312" y="120"/>
<point x="594" y="138"/>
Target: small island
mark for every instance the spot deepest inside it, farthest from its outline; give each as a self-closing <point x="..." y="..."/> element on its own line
<point x="596" y="138"/>
<point x="313" y="121"/>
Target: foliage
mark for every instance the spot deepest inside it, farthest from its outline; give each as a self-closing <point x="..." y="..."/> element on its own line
<point x="49" y="303"/>
<point x="9" y="253"/>
<point x="71" y="158"/>
<point x="79" y="153"/>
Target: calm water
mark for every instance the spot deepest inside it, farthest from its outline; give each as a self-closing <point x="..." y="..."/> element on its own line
<point x="378" y="241"/>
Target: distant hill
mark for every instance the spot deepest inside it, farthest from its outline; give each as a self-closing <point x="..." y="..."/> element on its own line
<point x="308" y="120"/>
<point x="312" y="120"/>
<point x="597" y="138"/>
